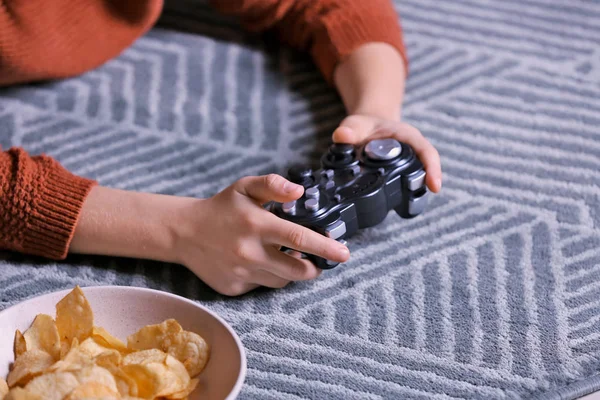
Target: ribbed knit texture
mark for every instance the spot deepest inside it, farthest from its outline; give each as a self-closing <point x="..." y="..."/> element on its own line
<point x="42" y="40"/>
<point x="40" y="202"/>
<point x="329" y="29"/>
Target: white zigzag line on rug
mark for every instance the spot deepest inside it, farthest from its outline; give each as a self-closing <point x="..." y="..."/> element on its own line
<point x="339" y="372"/>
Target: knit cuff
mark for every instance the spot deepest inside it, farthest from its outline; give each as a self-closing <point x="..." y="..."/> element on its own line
<point x="56" y="214"/>
<point x="339" y="37"/>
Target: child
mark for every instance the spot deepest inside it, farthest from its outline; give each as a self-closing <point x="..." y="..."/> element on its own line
<point x="228" y="241"/>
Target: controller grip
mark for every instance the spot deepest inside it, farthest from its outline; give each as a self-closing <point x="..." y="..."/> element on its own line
<point x="319" y="262"/>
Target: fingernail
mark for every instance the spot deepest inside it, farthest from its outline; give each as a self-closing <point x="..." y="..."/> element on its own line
<point x="289" y="187"/>
<point x="438" y="183"/>
<point x="344" y="252"/>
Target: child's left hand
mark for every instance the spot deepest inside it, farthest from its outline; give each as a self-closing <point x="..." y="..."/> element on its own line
<point x="357" y="129"/>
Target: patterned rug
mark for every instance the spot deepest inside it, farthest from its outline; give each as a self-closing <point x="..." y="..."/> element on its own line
<point x="492" y="293"/>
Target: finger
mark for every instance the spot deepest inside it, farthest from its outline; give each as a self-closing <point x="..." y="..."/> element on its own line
<point x="405" y="133"/>
<point x="268" y="279"/>
<point x="280" y="232"/>
<point x="354" y="130"/>
<point x="267" y="188"/>
<point x="293" y="253"/>
<point x="235" y="289"/>
<point x="425" y="151"/>
<point x="290" y="267"/>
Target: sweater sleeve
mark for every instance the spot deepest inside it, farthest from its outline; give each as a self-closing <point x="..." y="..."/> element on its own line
<point x="40" y="204"/>
<point x="42" y="39"/>
<point x="329" y="29"/>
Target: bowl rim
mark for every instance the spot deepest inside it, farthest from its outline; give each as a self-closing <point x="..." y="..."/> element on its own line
<point x="237" y="387"/>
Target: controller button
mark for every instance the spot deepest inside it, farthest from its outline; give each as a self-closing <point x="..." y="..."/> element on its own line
<point x="337" y="198"/>
<point x="381" y="171"/>
<point x="383" y="149"/>
<point x="289" y="207"/>
<point x="336" y="230"/>
<point x="328" y="174"/>
<point x="415" y="181"/>
<point x="312" y="205"/>
<point x="312" y="192"/>
<point x="416" y="205"/>
<point x="355" y="170"/>
<point x="329" y="185"/>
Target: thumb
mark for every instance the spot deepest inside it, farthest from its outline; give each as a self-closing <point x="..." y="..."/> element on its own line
<point x="267" y="188"/>
<point x="354" y="130"/>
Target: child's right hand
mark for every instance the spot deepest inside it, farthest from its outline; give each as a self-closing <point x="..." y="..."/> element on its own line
<point x="233" y="244"/>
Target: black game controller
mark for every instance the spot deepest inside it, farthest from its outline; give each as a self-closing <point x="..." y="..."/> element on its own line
<point x="356" y="188"/>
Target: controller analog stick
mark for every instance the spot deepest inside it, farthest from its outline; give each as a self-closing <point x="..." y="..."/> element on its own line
<point x="383" y="149"/>
<point x="341" y="153"/>
<point x="300" y="174"/>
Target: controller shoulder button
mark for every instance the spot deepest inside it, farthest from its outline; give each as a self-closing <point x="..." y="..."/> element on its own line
<point x="415" y="181"/>
<point x="336" y="230"/>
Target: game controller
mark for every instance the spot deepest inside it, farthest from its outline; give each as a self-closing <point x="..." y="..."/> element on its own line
<point x="356" y="188"/>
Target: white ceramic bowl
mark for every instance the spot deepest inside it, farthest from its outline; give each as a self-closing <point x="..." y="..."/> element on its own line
<point x="123" y="310"/>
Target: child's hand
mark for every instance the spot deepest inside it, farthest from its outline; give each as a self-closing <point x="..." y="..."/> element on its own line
<point x="358" y="129"/>
<point x="233" y="244"/>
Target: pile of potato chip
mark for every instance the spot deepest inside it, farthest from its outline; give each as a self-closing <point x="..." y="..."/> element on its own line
<point x="72" y="359"/>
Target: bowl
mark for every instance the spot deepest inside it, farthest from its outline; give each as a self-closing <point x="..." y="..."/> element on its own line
<point x="122" y="310"/>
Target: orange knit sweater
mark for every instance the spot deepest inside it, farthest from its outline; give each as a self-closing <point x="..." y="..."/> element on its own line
<point x="40" y="201"/>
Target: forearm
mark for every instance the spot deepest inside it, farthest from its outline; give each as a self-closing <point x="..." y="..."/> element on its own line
<point x="371" y="81"/>
<point x="128" y="224"/>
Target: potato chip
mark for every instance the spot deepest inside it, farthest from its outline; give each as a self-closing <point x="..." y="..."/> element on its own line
<point x="174" y="376"/>
<point x="126" y="385"/>
<point x="191" y="350"/>
<point x="166" y="373"/>
<point x="146" y="382"/>
<point x="188" y="347"/>
<point x="19" y="393"/>
<point x="144" y="357"/>
<point x="75" y="360"/>
<point x="96" y="374"/>
<point x="93" y="391"/>
<point x="153" y="336"/>
<point x="74" y="317"/>
<point x="110" y="358"/>
<point x="70" y="358"/>
<point x="19" y="345"/>
<point x="186" y="392"/>
<point x="30" y="364"/>
<point x="3" y="388"/>
<point x="43" y="335"/>
<point x="103" y="338"/>
<point x="53" y="386"/>
<point x="91" y="347"/>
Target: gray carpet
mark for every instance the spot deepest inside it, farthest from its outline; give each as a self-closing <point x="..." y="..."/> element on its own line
<point x="493" y="293"/>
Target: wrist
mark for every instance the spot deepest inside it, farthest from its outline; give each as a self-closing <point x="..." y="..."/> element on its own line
<point x="371" y="81"/>
<point x="128" y="224"/>
<point x="371" y="108"/>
